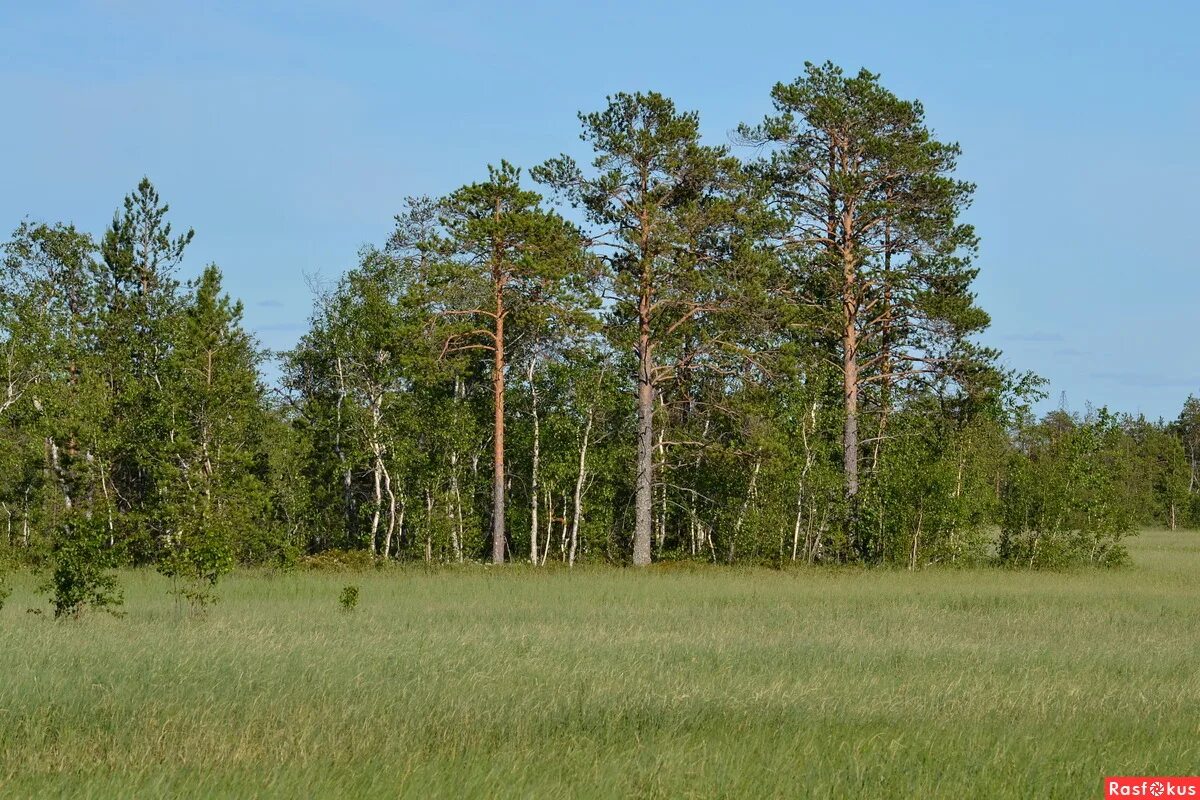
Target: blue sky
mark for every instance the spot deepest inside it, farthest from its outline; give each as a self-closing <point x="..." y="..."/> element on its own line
<point x="288" y="133"/>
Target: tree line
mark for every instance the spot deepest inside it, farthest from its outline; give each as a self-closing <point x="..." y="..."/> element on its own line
<point x="761" y="352"/>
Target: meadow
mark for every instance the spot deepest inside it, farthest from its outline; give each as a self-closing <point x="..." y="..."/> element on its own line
<point x="608" y="682"/>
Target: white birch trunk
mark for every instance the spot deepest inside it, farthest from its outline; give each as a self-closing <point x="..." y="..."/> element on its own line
<point x="533" y="480"/>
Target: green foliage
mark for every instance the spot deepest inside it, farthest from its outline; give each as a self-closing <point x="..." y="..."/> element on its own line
<point x="213" y="488"/>
<point x="82" y="576"/>
<point x="1186" y="429"/>
<point x="138" y="407"/>
<point x="931" y="497"/>
<point x="198" y="553"/>
<point x="337" y="560"/>
<point x="676" y="222"/>
<point x="764" y="382"/>
<point x="877" y="269"/>
<point x="1065" y="494"/>
<point x="348" y="599"/>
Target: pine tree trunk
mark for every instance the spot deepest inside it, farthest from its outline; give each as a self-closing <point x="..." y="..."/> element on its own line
<point x="850" y="385"/>
<point x="498" y="437"/>
<point x="850" y="431"/>
<point x="645" y="453"/>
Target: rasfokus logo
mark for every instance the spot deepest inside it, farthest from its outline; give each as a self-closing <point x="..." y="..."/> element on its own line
<point x="1158" y="786"/>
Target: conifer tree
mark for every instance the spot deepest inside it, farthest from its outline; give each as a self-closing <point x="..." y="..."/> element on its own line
<point x="140" y="257"/>
<point x="666" y="212"/>
<point x="507" y="262"/>
<point x="870" y="211"/>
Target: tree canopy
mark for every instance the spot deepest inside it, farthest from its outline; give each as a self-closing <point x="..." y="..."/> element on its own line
<point x="764" y="353"/>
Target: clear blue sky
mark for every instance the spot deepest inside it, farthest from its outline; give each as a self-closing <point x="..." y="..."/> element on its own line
<point x="287" y="134"/>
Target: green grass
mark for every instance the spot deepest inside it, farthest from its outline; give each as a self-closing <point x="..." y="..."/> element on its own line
<point x="615" y="683"/>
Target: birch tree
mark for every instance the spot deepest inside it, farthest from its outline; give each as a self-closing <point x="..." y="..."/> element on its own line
<point x="217" y="486"/>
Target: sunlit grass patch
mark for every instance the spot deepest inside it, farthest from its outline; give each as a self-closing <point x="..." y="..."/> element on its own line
<point x="614" y="683"/>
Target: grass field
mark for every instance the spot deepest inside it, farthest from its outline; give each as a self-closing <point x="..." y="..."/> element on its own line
<point x="615" y="683"/>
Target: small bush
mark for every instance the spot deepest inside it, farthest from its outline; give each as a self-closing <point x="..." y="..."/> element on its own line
<point x="82" y="576"/>
<point x="348" y="598"/>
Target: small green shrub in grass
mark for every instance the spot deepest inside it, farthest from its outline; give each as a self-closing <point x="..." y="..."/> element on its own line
<point x="349" y="598"/>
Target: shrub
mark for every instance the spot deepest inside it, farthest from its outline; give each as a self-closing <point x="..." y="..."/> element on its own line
<point x="81" y="578"/>
<point x="349" y="598"/>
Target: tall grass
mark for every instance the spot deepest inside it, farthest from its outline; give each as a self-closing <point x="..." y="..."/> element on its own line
<point x="508" y="682"/>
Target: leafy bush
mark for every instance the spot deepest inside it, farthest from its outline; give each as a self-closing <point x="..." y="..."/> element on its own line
<point x="198" y="555"/>
<point x="81" y="578"/>
<point x="348" y="598"/>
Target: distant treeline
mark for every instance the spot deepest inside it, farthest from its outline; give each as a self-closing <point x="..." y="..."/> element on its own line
<point x="764" y="353"/>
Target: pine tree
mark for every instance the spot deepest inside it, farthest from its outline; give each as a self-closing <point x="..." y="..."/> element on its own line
<point x="507" y="262"/>
<point x="141" y="302"/>
<point x="870" y="211"/>
<point x="666" y="211"/>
